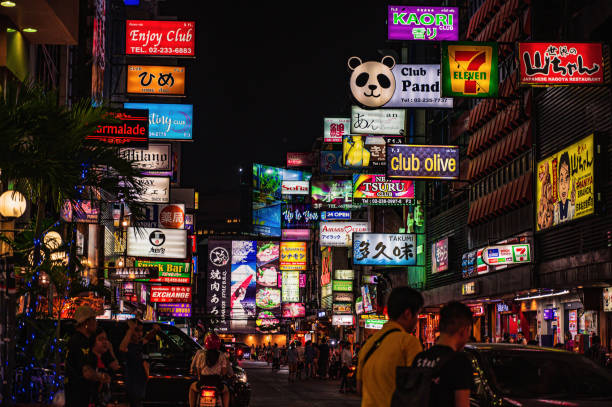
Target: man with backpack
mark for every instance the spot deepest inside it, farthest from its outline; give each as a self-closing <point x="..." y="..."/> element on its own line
<point x="441" y="376"/>
<point x="389" y="348"/>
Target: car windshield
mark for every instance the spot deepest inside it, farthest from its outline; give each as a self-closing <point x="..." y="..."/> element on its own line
<point x="531" y="373"/>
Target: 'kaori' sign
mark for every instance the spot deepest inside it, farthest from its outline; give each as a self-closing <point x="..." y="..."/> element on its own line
<point x="168" y="38"/>
<point x="418" y="161"/>
<point x="424" y="23"/>
<point x="390" y="122"/>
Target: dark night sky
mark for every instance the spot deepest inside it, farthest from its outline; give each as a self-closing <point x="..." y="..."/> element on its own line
<point x="265" y="76"/>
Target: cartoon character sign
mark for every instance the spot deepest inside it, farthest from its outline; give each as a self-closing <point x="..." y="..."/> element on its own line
<point x="565" y="206"/>
<point x="372" y="83"/>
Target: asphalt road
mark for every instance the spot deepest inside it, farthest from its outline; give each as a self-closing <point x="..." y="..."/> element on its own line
<point x="272" y="389"/>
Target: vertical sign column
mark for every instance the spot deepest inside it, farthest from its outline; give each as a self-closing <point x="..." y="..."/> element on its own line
<point x="219" y="282"/>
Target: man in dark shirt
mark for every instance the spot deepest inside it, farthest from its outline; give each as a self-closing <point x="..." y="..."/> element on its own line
<point x="80" y="375"/>
<point x="323" y="358"/>
<point x="453" y="379"/>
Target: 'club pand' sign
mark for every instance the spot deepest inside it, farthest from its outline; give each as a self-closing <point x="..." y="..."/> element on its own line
<point x="168" y="38"/>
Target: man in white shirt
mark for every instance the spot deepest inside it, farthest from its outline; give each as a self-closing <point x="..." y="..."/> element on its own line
<point x="346" y="360"/>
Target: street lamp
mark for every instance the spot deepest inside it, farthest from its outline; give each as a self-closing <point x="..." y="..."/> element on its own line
<point x="12" y="204"/>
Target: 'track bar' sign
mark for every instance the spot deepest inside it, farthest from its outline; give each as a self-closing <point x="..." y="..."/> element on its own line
<point x="170" y="294"/>
<point x="132" y="131"/>
<point x="167" y="38"/>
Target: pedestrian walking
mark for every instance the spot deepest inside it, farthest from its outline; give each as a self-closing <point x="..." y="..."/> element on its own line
<point x="81" y="376"/>
<point x="102" y="359"/>
<point x="389" y="348"/>
<point x="346" y="360"/>
<point x="300" y="365"/>
<point x="597" y="352"/>
<point x="292" y="361"/>
<point x="276" y="357"/>
<point x="136" y="365"/>
<point x="309" y="355"/>
<point x="451" y="370"/>
<point x="323" y="359"/>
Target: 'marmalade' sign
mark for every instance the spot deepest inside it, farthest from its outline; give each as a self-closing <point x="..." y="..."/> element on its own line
<point x="554" y="63"/>
<point x="132" y="131"/>
<point x="167" y="38"/>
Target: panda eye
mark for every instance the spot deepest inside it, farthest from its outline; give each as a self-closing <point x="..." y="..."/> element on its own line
<point x="362" y="79"/>
<point x="383" y="81"/>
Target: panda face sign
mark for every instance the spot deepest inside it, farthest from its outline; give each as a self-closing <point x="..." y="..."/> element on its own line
<point x="372" y="83"/>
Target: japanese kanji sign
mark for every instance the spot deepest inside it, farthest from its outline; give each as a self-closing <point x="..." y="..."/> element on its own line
<point x="359" y="151"/>
<point x="131" y="131"/>
<point x="423" y="23"/>
<point x="293" y="256"/>
<point x="169" y="272"/>
<point x="389" y="122"/>
<point x="156" y="80"/>
<point x="422" y="161"/>
<point x="377" y="189"/>
<point x="384" y="249"/>
<point x="291" y="286"/>
<point x="469" y="69"/>
<point x="219" y="281"/>
<point x="507" y="254"/>
<point x="560" y="63"/>
<point x="170" y="294"/>
<point x="156" y="189"/>
<point x="439" y="256"/>
<point x="167" y="38"/>
<point x="335" y="128"/>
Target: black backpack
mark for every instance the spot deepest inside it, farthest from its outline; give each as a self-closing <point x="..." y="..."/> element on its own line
<point x="413" y="384"/>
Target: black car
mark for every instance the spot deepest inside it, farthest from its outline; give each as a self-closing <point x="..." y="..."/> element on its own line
<point x="516" y="375"/>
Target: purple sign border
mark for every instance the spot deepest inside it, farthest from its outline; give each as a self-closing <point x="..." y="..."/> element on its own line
<point x="405" y="33"/>
<point x="422" y="153"/>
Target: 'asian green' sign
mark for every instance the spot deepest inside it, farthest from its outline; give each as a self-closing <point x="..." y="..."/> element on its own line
<point x="169" y="272"/>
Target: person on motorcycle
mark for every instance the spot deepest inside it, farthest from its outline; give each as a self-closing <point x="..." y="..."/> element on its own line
<point x="210" y="361"/>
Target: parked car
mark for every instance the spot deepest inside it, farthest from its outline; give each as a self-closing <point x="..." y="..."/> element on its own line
<point x="516" y="375"/>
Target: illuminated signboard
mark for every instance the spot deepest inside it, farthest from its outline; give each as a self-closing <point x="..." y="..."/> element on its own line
<point x="390" y="122"/>
<point x="154" y="189"/>
<point x="469" y="69"/>
<point x="342" y="320"/>
<point x="420" y="161"/>
<point x="295" y="187"/>
<point x="150" y="242"/>
<point x="332" y="194"/>
<point x="291" y="286"/>
<point x="218" y="291"/>
<point x="167" y="121"/>
<point x="366" y="299"/>
<point x="344" y="275"/>
<point x="439" y="256"/>
<point x="156" y="80"/>
<point x="298" y="216"/>
<point x="470" y="288"/>
<point x="560" y="63"/>
<point x="507" y="254"/>
<point x="295" y="234"/>
<point x="174" y="310"/>
<point x="294" y="310"/>
<point x="167" y="38"/>
<point x="384" y="249"/>
<point x="154" y="158"/>
<point x="300" y="159"/>
<point x="326" y="266"/>
<point x="374" y="323"/>
<point x="377" y="189"/>
<point x="293" y="256"/>
<point x="386" y="84"/>
<point x="170" y="294"/>
<point x="340" y="234"/>
<point x="565" y="184"/>
<point x="335" y="215"/>
<point x="423" y="23"/>
<point x="168" y="272"/>
<point x="342" y="296"/>
<point x="342" y="308"/>
<point x="81" y="212"/>
<point x="330" y="163"/>
<point x="362" y="152"/>
<point x="268" y="298"/>
<point x="131" y="131"/>
<point x="607" y="299"/>
<point x="132" y="273"/>
<point x="341" y="285"/>
<point x="335" y="128"/>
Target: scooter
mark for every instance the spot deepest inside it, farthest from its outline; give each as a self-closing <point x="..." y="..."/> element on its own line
<point x="239" y="390"/>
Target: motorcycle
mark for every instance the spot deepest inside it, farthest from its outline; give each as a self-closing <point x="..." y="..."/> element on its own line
<point x="351" y="376"/>
<point x="238" y="386"/>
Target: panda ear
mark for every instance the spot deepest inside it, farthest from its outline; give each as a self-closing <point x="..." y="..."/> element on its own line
<point x="389" y="61"/>
<point x="354" y="62"/>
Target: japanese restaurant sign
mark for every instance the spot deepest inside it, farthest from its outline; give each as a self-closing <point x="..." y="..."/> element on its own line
<point x="293" y="256"/>
<point x="218" y="290"/>
<point x="560" y="63"/>
<point x="168" y="272"/>
<point x="170" y="294"/>
<point x="300" y="159"/>
<point x="167" y="121"/>
<point x="469" y="69"/>
<point x="156" y="80"/>
<point x="377" y="189"/>
<point x="390" y="122"/>
<point x="335" y="128"/>
<point x="423" y="23"/>
<point x="131" y="131"/>
<point x="384" y="249"/>
<point x="340" y="234"/>
<point x="422" y="161"/>
<point x="439" y="256"/>
<point x="174" y="310"/>
<point x="166" y="38"/>
<point x="290" y="286"/>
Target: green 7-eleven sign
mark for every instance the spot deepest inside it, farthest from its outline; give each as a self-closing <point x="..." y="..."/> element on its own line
<point x="469" y="69"/>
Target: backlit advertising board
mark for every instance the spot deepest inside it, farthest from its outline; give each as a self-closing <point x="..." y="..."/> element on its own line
<point x="342" y="285"/>
<point x="85" y="211"/>
<point x="156" y="157"/>
<point x="169" y="216"/>
<point x="132" y="129"/>
<point x="168" y="272"/>
<point x="295" y="187"/>
<point x="298" y="216"/>
<point x="268" y="298"/>
<point x="330" y="163"/>
<point x="295" y="234"/>
<point x="560" y="63"/>
<point x="326" y="267"/>
<point x="156" y="80"/>
<point x="219" y="281"/>
<point x="439" y="256"/>
<point x="160" y="38"/>
<point x="507" y="254"/>
<point x="423" y="23"/>
<point x="170" y="294"/>
<point x="377" y="189"/>
<point x="565" y="184"/>
<point x="167" y="121"/>
<point x="336" y="194"/>
<point x="150" y="242"/>
<point x="335" y="128"/>
<point x="607" y="299"/>
<point x="294" y="310"/>
<point x="342" y="308"/>
<point x="291" y="286"/>
<point x="340" y="234"/>
<point x="293" y="256"/>
<point x="155" y="189"/>
<point x="335" y="215"/>
<point x="174" y="310"/>
<point x="342" y="320"/>
<point x="344" y="275"/>
<point x="300" y="159"/>
<point x="244" y="284"/>
<point x="366" y="299"/>
<point x="390" y="122"/>
<point x="469" y="69"/>
<point x="132" y="273"/>
<point x="422" y="161"/>
<point x="384" y="249"/>
<point x="363" y="152"/>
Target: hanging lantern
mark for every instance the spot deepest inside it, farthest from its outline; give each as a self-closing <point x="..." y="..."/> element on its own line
<point x="12" y="204"/>
<point x="52" y="240"/>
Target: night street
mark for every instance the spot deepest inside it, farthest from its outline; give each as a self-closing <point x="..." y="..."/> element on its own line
<point x="272" y="389"/>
